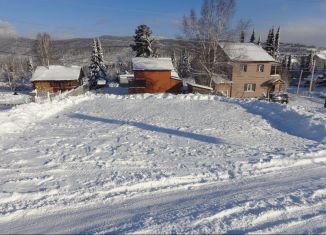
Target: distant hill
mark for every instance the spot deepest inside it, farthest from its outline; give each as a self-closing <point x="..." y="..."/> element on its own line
<point x="78" y="50"/>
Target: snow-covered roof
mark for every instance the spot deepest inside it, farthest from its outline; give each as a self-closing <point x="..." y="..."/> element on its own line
<point x="272" y="81"/>
<point x="56" y="73"/>
<point x="175" y="75"/>
<point x="141" y="63"/>
<point x="200" y="86"/>
<point x="321" y="56"/>
<point x="246" y="52"/>
<point x="220" y="79"/>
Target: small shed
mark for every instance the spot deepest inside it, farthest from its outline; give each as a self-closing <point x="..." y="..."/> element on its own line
<point x="196" y="88"/>
<point x="222" y="85"/>
<point x="154" y="75"/>
<point x="125" y="78"/>
<point x="57" y="78"/>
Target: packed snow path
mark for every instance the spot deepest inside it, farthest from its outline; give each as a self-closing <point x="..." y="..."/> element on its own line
<point x="163" y="163"/>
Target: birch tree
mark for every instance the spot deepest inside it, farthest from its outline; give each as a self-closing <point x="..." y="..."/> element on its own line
<point x="44" y="49"/>
<point x="206" y="31"/>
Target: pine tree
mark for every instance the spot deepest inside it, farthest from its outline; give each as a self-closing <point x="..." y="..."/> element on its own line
<point x="242" y="36"/>
<point x="253" y="38"/>
<point x="276" y="52"/>
<point x="289" y="62"/>
<point x="184" y="68"/>
<point x="94" y="67"/>
<point x="309" y="62"/>
<point x="272" y="43"/>
<point x="102" y="67"/>
<point x="143" y="42"/>
<point x="269" y="46"/>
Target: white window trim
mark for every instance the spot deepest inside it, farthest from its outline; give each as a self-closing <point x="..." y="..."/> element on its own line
<point x="259" y="66"/>
<point x="249" y="85"/>
<point x="242" y="66"/>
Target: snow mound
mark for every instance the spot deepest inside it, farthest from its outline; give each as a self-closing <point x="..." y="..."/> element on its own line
<point x="292" y="120"/>
<point x="26" y="115"/>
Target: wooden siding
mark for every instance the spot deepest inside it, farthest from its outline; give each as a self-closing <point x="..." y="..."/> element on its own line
<point x="200" y="90"/>
<point x="240" y="78"/>
<point x="156" y="82"/>
<point x="55" y="86"/>
<point x="223" y="89"/>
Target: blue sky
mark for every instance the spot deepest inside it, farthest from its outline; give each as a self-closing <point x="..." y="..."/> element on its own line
<point x="301" y="21"/>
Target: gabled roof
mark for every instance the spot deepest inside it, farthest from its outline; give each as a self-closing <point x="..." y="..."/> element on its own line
<point x="56" y="73"/>
<point x="272" y="81"/>
<point x="141" y="63"/>
<point x="199" y="86"/>
<point x="245" y="52"/>
<point x="321" y="56"/>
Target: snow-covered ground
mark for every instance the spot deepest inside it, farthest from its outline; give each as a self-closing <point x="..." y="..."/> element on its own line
<point x="8" y="98"/>
<point x="163" y="163"/>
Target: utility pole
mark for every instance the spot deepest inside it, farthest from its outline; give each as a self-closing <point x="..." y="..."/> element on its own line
<point x="312" y="76"/>
<point x="299" y="82"/>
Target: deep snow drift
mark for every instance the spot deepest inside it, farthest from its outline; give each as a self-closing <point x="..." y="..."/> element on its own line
<point x="162" y="163"/>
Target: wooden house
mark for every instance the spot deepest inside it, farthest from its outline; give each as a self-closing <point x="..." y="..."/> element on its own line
<point x="252" y="72"/>
<point x="320" y="59"/>
<point x="154" y="75"/>
<point x="57" y="78"/>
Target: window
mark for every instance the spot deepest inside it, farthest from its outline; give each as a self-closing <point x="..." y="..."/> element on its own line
<point x="275" y="70"/>
<point x="243" y="67"/>
<point x="137" y="83"/>
<point x="260" y="68"/>
<point x="250" y="87"/>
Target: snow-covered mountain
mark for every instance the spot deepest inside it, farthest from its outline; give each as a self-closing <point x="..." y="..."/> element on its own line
<point x="77" y="51"/>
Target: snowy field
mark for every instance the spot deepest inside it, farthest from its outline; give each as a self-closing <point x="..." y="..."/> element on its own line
<point x="163" y="164"/>
<point x="8" y="98"/>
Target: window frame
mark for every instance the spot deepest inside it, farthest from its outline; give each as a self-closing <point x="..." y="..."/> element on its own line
<point x="137" y="83"/>
<point x="243" y="68"/>
<point x="260" y="68"/>
<point x="252" y="87"/>
<point x="275" y="70"/>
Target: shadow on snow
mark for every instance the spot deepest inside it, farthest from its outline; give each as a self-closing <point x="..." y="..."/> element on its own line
<point x="148" y="127"/>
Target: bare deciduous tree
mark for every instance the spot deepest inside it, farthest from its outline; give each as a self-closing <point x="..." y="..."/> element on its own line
<point x="44" y="49"/>
<point x="206" y="32"/>
<point x="15" y="72"/>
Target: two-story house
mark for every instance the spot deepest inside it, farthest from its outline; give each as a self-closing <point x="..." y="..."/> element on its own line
<point x="252" y="72"/>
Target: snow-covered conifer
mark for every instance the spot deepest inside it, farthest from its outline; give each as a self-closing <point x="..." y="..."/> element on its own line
<point x="309" y="62"/>
<point x="277" y="44"/>
<point x="242" y="36"/>
<point x="143" y="42"/>
<point x="253" y="38"/>
<point x="100" y="58"/>
<point x="94" y="67"/>
<point x="289" y="64"/>
<point x="269" y="46"/>
<point x="184" y="68"/>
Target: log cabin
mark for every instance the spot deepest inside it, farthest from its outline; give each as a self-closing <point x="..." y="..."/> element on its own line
<point x="57" y="78"/>
<point x="154" y="75"/>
